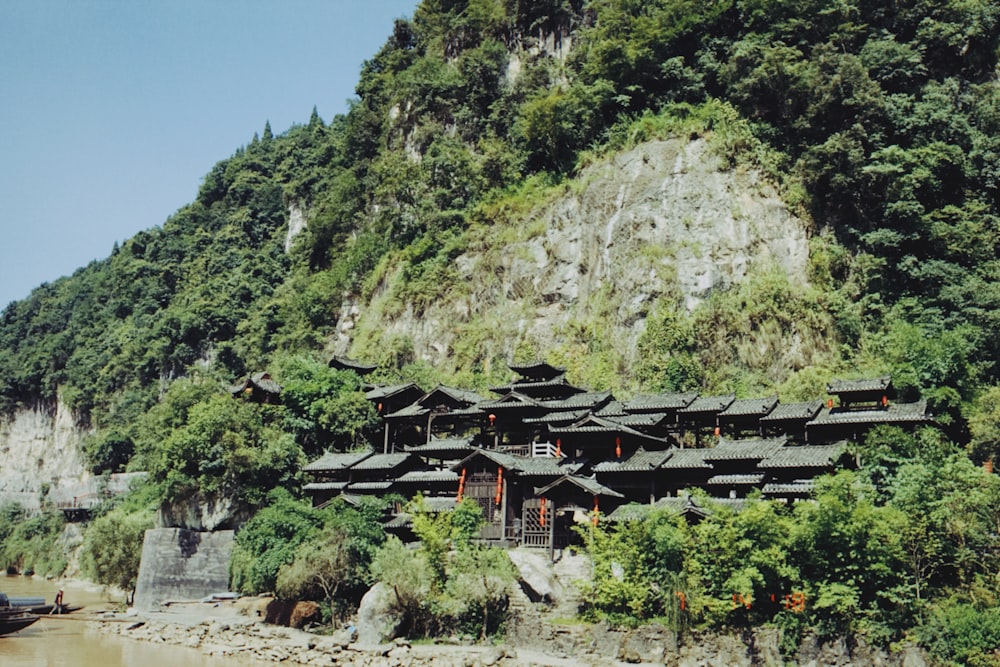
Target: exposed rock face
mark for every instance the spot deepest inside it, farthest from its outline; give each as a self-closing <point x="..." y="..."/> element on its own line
<point x="296" y="225"/>
<point x="203" y="513"/>
<point x="665" y="219"/>
<point x="39" y="446"/>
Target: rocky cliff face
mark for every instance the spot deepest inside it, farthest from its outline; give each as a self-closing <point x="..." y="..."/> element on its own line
<point x="39" y="446"/>
<point x="668" y="219"/>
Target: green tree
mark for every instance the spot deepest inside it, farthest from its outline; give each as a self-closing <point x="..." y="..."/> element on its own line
<point x="112" y="548"/>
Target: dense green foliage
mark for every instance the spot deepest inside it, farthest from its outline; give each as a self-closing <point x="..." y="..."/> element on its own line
<point x="31" y="543"/>
<point x="335" y="564"/>
<point x="876" y="554"/>
<point x="449" y="584"/>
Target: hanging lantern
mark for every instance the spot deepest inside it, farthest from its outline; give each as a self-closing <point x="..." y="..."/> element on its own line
<point x="541" y="515"/>
<point x="499" y="484"/>
<point x="379" y="410"/>
<point x="493" y="418"/>
<point x="718" y="431"/>
<point x="885" y="401"/>
<point x="829" y="403"/>
<point x="595" y="510"/>
<point x="558" y="446"/>
<point x="618" y="446"/>
<point x="461" y="485"/>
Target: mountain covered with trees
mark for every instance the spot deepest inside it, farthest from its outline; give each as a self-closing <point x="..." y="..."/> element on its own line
<point x="876" y="124"/>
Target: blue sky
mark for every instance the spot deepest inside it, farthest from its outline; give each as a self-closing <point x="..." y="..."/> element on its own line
<point x="112" y="111"/>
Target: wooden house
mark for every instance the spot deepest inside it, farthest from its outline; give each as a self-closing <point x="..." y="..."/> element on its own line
<point x="869" y="392"/>
<point x="790" y="470"/>
<point x="735" y="470"/>
<point x="790" y="419"/>
<point x="388" y="399"/>
<point x="742" y="416"/>
<point x="701" y="416"/>
<point x="839" y="423"/>
<point x="550" y="515"/>
<point x="684" y="469"/>
<point x="638" y="477"/>
<point x="443" y="410"/>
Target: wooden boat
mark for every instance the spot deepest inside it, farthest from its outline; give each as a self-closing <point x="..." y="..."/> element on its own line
<point x="35" y="605"/>
<point x="13" y="620"/>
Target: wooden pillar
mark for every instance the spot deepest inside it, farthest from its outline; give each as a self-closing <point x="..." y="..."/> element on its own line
<point x="503" y="513"/>
<point x="385" y="445"/>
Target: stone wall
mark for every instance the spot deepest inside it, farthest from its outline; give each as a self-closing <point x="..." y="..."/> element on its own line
<point x="181" y="564"/>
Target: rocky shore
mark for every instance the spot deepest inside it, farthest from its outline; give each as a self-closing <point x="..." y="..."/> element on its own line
<point x="226" y="630"/>
<point x="233" y="636"/>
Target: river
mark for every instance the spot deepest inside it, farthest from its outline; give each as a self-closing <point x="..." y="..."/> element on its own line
<point x="59" y="642"/>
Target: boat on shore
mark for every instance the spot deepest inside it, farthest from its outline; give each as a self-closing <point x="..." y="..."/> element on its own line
<point x="36" y="605"/>
<point x="12" y="620"/>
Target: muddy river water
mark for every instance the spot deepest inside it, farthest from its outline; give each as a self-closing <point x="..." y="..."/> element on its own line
<point x="55" y="642"/>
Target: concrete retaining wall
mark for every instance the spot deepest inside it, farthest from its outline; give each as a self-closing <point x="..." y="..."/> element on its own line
<point x="181" y="564"/>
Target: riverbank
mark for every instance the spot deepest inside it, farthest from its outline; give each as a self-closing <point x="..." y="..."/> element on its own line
<point x="221" y="629"/>
<point x="225" y="629"/>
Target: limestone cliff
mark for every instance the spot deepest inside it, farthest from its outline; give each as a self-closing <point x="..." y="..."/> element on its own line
<point x="40" y="447"/>
<point x="667" y="219"/>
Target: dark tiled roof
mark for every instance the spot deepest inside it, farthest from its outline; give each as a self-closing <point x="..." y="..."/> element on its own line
<point x="364" y="487"/>
<point x="391" y="390"/>
<point x="559" y="382"/>
<point x="656" y="402"/>
<point x="744" y="450"/>
<point x="739" y="479"/>
<point x="879" y="384"/>
<point x="325" y="486"/>
<point x="337" y="461"/>
<point x="638" y="462"/>
<point x="591" y="486"/>
<point x="523" y="465"/>
<point x="687" y="459"/>
<point x="707" y="404"/>
<point x="803" y="456"/>
<point x="895" y="413"/>
<point x="457" y="395"/>
<point x="428" y="476"/>
<point x="613" y="408"/>
<point x="594" y="424"/>
<point x="511" y="399"/>
<point x="584" y="400"/>
<point x="346" y="363"/>
<point x="798" y="487"/>
<point x="450" y="446"/>
<point x="536" y="369"/>
<point x="382" y="461"/>
<point x="750" y="407"/>
<point x="639" y="420"/>
<point x="411" y="410"/>
<point x="793" y="411"/>
<point x="567" y="417"/>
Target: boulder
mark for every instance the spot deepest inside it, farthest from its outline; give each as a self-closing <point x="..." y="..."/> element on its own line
<point x="292" y="614"/>
<point x="379" y="620"/>
<point x="537" y="578"/>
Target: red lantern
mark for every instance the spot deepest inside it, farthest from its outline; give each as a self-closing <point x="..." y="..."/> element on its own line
<point x="379" y="410"/>
<point x="885" y="401"/>
<point x="829" y="403"/>
<point x="558" y="447"/>
<point x="461" y="485"/>
<point x="718" y="431"/>
<point x="541" y="509"/>
<point x="499" y="484"/>
<point x="493" y="418"/>
<point x="595" y="510"/>
<point x="618" y="447"/>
